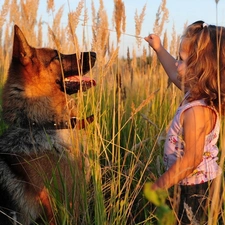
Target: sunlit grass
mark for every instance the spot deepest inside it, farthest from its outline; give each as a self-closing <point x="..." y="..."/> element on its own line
<point x="132" y="104"/>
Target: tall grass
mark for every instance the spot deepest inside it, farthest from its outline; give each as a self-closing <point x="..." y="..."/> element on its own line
<point x="133" y="102"/>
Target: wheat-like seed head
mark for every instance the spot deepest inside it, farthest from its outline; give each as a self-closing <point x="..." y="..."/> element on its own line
<point x="100" y="32"/>
<point x="161" y="17"/>
<point x="103" y="34"/>
<point x="112" y="59"/>
<point x="138" y="24"/>
<point x="165" y="40"/>
<point x="73" y="21"/>
<point x="54" y="38"/>
<point x="4" y="12"/>
<point x="57" y="21"/>
<point x="143" y="104"/>
<point x="119" y="17"/>
<point x="173" y="43"/>
<point x="50" y="5"/>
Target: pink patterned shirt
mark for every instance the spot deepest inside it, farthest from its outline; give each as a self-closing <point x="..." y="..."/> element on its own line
<point x="208" y="169"/>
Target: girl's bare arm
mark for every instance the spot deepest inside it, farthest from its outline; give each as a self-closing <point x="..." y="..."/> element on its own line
<point x="197" y="123"/>
<point x="168" y="61"/>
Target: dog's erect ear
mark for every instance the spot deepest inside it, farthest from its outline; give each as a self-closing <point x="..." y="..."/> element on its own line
<point x="21" y="49"/>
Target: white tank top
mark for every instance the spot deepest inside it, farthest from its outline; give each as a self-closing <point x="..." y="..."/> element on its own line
<point x="208" y="169"/>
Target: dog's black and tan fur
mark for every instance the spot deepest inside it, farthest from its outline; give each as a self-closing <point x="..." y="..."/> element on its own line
<point x="38" y="148"/>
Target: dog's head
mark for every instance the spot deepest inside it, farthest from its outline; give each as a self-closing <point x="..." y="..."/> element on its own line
<point x="69" y="68"/>
<point x="38" y="79"/>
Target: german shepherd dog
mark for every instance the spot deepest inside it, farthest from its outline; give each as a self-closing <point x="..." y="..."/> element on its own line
<point x="39" y="151"/>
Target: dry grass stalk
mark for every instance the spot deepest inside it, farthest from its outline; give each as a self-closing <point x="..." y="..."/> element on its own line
<point x="1" y="47"/>
<point x="100" y="32"/>
<point x="24" y="14"/>
<point x="84" y="25"/>
<point x="130" y="66"/>
<point x="138" y="24"/>
<point x="173" y="44"/>
<point x="154" y="62"/>
<point x="144" y="65"/>
<point x="73" y="21"/>
<point x="144" y="55"/>
<point x="56" y="27"/>
<point x="85" y="21"/>
<point x="143" y="104"/>
<point x="3" y="16"/>
<point x="119" y="17"/>
<point x="165" y="40"/>
<point x="27" y="19"/>
<point x="4" y="12"/>
<point x="54" y="38"/>
<point x="94" y="20"/>
<point x="29" y="10"/>
<point x="161" y="17"/>
<point x="94" y="26"/>
<point x="74" y="17"/>
<point x="124" y="21"/>
<point x="149" y="121"/>
<point x="190" y="214"/>
<point x="112" y="59"/>
<point x="103" y="34"/>
<point x="7" y="39"/>
<point x="134" y="61"/>
<point x="40" y="33"/>
<point x="128" y="59"/>
<point x="50" y="5"/>
<point x="112" y="48"/>
<point x="5" y="54"/>
<point x="14" y="16"/>
<point x="178" y="43"/>
<point x="57" y="20"/>
<point x="139" y="145"/>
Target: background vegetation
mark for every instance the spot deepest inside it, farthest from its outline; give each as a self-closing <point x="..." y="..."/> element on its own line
<point x="133" y="103"/>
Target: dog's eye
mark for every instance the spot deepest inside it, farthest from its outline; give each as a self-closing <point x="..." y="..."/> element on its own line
<point x="57" y="81"/>
<point x="56" y="57"/>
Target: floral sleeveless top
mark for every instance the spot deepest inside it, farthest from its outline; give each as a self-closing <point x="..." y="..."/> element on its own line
<point x="208" y="169"/>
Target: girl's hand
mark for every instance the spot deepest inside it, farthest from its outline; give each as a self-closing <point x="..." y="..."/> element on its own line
<point x="154" y="41"/>
<point x="168" y="61"/>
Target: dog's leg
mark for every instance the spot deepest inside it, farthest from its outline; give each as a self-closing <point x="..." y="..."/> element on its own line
<point x="45" y="201"/>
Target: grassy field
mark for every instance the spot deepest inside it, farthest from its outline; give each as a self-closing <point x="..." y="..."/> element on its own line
<point x="133" y="103"/>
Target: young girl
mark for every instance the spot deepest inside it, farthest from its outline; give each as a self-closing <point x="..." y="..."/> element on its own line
<point x="190" y="151"/>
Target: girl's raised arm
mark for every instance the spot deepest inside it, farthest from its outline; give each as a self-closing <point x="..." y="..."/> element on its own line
<point x="168" y="61"/>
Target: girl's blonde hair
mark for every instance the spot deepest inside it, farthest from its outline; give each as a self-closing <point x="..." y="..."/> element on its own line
<point x="205" y="74"/>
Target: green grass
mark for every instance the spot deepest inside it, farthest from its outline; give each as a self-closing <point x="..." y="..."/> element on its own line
<point x="125" y="141"/>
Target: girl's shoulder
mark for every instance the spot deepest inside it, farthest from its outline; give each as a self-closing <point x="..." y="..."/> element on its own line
<point x="197" y="103"/>
<point x="199" y="112"/>
<point x="187" y="103"/>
